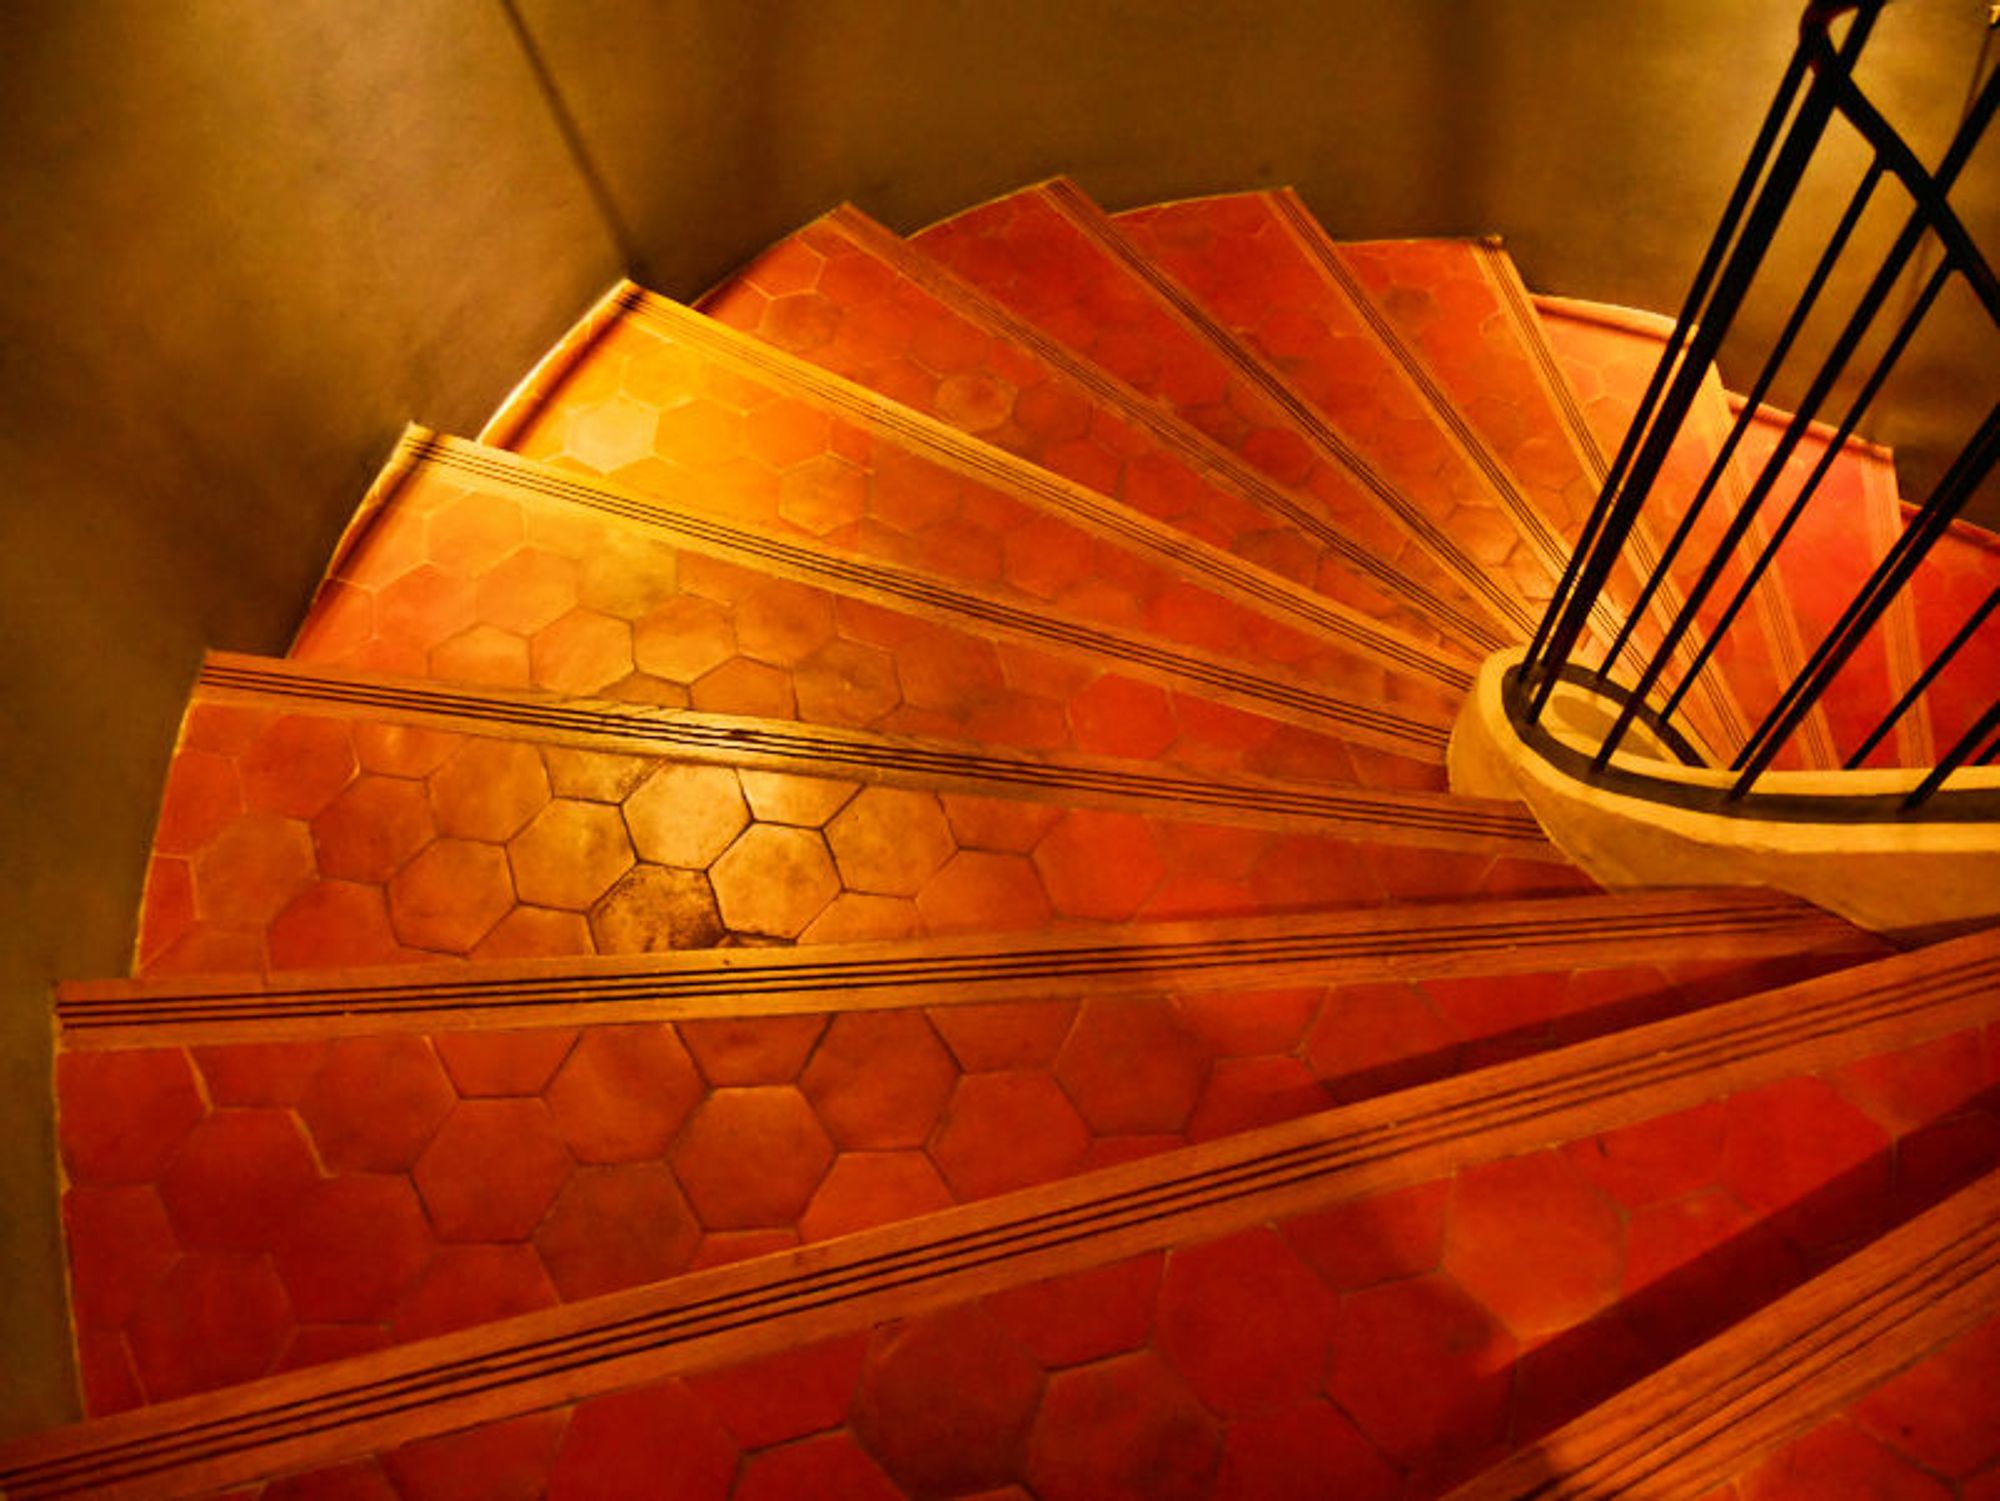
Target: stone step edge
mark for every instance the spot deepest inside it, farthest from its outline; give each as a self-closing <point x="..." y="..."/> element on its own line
<point x="1402" y="943"/>
<point x="1693" y="1425"/>
<point x="1438" y="819"/>
<point x="1222" y="679"/>
<point x="349" y="1408"/>
<point x="1194" y="448"/>
<point x="1916" y="745"/>
<point x="1506" y="612"/>
<point x="1772" y="605"/>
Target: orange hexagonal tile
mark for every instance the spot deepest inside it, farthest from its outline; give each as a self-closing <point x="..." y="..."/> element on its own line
<point x="583" y="652"/>
<point x="251" y="869"/>
<point x="488" y="789"/>
<point x="655" y="909"/>
<point x="374" y="1102"/>
<point x="450" y="895"/>
<point x="352" y="1249"/>
<point x="686" y="814"/>
<point x="503" y="1063"/>
<point x="1082" y="1316"/>
<point x="614" y="1227"/>
<point x="213" y="1321"/>
<point x="683" y="638"/>
<point x="879" y="1079"/>
<point x="652" y="1441"/>
<point x="998" y="824"/>
<point x="1004" y="1034"/>
<point x="569" y="855"/>
<point x="121" y="1115"/>
<point x="773" y="880"/>
<point x="751" y="1049"/>
<point x="623" y="1092"/>
<point x="1132" y="1066"/>
<point x="491" y="1170"/>
<point x="472" y="1284"/>
<point x="1244" y="1322"/>
<point x="750" y="1158"/>
<point x="1099" y="864"/>
<point x="1007" y="1130"/>
<point x="823" y="494"/>
<point x="741" y="686"/>
<point x="531" y="589"/>
<point x="1380" y="1238"/>
<point x="1125" y="1429"/>
<point x="534" y="933"/>
<point x="779" y="797"/>
<point x="1306" y="1449"/>
<point x="507" y="1461"/>
<point x="371" y="827"/>
<point x="236" y="1179"/>
<point x="889" y="841"/>
<point x="1540" y="1271"/>
<point x="335" y="925"/>
<point x="424" y="607"/>
<point x="296" y="766"/>
<point x="402" y="750"/>
<point x="611" y="434"/>
<point x="120" y="1244"/>
<point x="783" y="623"/>
<point x="484" y="654"/>
<point x="472" y="533"/>
<point x="203" y="794"/>
<point x="847" y="683"/>
<point x="853" y="917"/>
<point x="873" y="1188"/>
<point x="978" y="890"/>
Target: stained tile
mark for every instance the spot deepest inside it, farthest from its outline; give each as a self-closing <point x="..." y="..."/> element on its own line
<point x="686" y="814"/>
<point x="570" y="854"/>
<point x="654" y="909"/>
<point x="773" y="880"/>
<point x="614" y="1227"/>
<point x="1126" y="1429"/>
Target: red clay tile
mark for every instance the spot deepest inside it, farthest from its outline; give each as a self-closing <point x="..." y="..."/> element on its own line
<point x="467" y="1285"/>
<point x="1658" y="1159"/>
<point x="248" y="872"/>
<point x="503" y="1063"/>
<point x="529" y="590"/>
<point x="1244" y="1093"/>
<point x="583" y="652"/>
<point x="120" y="1245"/>
<point x="864" y="1189"/>
<point x="750" y="1158"/>
<point x="360" y="1481"/>
<point x="166" y="907"/>
<point x="1303" y="871"/>
<point x="640" y="1445"/>
<point x="1082" y="1316"/>
<point x="945" y="1400"/>
<point x="336" y="925"/>
<point x="879" y="1079"/>
<point x="1374" y="1039"/>
<point x="831" y="1467"/>
<point x="1004" y="1034"/>
<point x="1006" y="1130"/>
<point x="853" y="917"/>
<point x="1244" y="1322"/>
<point x="373" y="826"/>
<point x="488" y="790"/>
<point x="1936" y="1160"/>
<point x="1245" y="1023"/>
<point x="484" y="654"/>
<point x="237" y="1179"/>
<point x="104" y="1373"/>
<point x="807" y="802"/>
<point x="1377" y="1239"/>
<point x="1694" y="1265"/>
<point x="1798" y="1151"/>
<point x="536" y="933"/>
<point x="998" y="824"/>
<point x="614" y="1227"/>
<point x="773" y="881"/>
<point x="569" y="855"/>
<point x="203" y="796"/>
<point x="1914" y="1086"/>
<point x="374" y="1103"/>
<point x="797" y="1391"/>
<point x="1424" y="1371"/>
<point x="212" y="1321"/>
<point x="473" y="533"/>
<point x="491" y="1171"/>
<point x="1131" y="1066"/>
<point x="741" y="686"/>
<point x="652" y="910"/>
<point x="1944" y="1411"/>
<point x="1567" y="1377"/>
<point x="352" y="1248"/>
<point x="450" y="896"/>
<point x="1122" y="1430"/>
<point x="1535" y="1242"/>
<point x="121" y="1115"/>
<point x="889" y="841"/>
<point x="1301" y="1452"/>
<point x="316" y="1344"/>
<point x="1834" y="1461"/>
<point x="505" y="1461"/>
<point x="402" y="750"/>
<point x="686" y="814"/>
<point x="978" y="891"/>
<point x="623" y="1092"/>
<point x="683" y="638"/>
<point x="751" y="1049"/>
<point x="1099" y="865"/>
<point x="296" y="766"/>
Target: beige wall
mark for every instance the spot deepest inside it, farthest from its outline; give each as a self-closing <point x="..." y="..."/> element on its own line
<point x="244" y="240"/>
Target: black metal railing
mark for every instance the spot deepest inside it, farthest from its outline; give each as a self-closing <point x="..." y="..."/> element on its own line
<point x="1818" y="90"/>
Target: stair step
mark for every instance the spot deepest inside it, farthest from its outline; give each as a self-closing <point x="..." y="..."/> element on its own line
<point x="1174" y="1315"/>
<point x="1962" y="571"/>
<point x="853" y="298"/>
<point x="1464" y="308"/>
<point x="318" y="818"/>
<point x="1261" y="267"/>
<point x="732" y="1103"/>
<point x="1053" y="257"/>
<point x="1609" y="355"/>
<point x="1877" y="1377"/>
<point x="657" y="405"/>
<point x="1848" y="528"/>
<point x="476" y="565"/>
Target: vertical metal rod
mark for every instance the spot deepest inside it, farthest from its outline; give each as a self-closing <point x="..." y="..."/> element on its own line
<point x="1958" y="755"/>
<point x="1928" y="676"/>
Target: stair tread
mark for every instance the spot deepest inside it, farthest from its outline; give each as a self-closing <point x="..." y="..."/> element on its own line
<point x="1851" y="1062"/>
<point x="1088" y="291"/>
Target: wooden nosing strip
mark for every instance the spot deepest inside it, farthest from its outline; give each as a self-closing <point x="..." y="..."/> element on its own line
<point x="810" y="751"/>
<point x="847" y="573"/>
<point x="1352" y="947"/>
<point x="621" y="1339"/>
<point x="946" y="446"/>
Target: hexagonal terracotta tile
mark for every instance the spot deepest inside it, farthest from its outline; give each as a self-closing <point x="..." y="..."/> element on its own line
<point x="614" y="1227"/>
<point x="121" y="1115"/>
<point x="492" y="1170"/>
<point x="120" y="1244"/>
<point x="503" y="1063"/>
<point x="374" y="1102"/>
<point x="649" y="1442"/>
<point x="751" y="1049"/>
<point x="1245" y="1322"/>
<point x="880" y="1079"/>
<point x="890" y="841"/>
<point x="612" y="433"/>
<point x="1098" y="864"/>
<point x="1125" y="1429"/>
<point x="1083" y="1316"/>
<point x="213" y="1321"/>
<point x="488" y="790"/>
<point x="982" y="892"/>
<point x="236" y="1179"/>
<point x="531" y="589"/>
<point x="773" y="880"/>
<point x="1007" y="1130"/>
<point x="353" y="1248"/>
<point x="251" y="869"/>
<point x="582" y="652"/>
<point x="450" y="895"/>
<point x="686" y="814"/>
<point x="472" y="1284"/>
<point x="296" y="766"/>
<point x="623" y="1093"/>
<point x="569" y="855"/>
<point x="751" y="1157"/>
<point x="683" y="638"/>
<point x="371" y="827"/>
<point x="1132" y="1066"/>
<point x="655" y="909"/>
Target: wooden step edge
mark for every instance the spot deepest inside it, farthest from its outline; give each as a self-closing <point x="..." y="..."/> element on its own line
<point x="1196" y="450"/>
<point x="1402" y="943"/>
<point x="1710" y="1415"/>
<point x="1442" y="819"/>
<point x="1770" y="606"/>
<point x="349" y="1408"/>
<point x="1205" y="674"/>
<point x="1214" y="568"/>
<point x="1730" y="725"/>
<point x="1505" y="612"/>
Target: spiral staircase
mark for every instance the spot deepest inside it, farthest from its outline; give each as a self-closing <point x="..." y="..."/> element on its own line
<point x="860" y="899"/>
